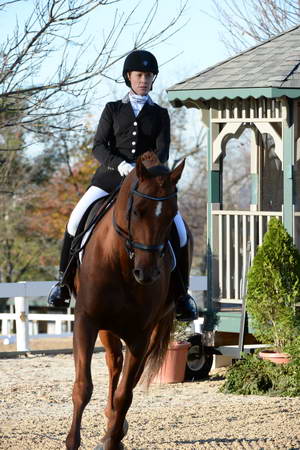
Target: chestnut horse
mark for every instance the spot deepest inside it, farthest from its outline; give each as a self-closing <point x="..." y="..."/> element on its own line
<point x="123" y="292"/>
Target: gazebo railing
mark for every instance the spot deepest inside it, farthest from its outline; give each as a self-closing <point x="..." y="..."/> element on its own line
<point x="232" y="230"/>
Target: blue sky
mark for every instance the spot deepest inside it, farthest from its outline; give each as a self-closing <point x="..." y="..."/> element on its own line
<point x="198" y="42"/>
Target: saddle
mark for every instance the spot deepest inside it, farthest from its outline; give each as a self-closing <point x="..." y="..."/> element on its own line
<point x="94" y="213"/>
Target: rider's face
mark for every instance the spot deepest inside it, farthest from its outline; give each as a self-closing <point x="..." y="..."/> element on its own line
<point x="141" y="82"/>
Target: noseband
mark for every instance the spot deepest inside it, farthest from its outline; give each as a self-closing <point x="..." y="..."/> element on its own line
<point x="129" y="243"/>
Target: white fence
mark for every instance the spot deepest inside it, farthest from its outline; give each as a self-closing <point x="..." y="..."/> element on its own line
<point x="26" y="322"/>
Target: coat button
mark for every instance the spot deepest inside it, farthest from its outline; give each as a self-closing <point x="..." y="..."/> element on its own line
<point x="133" y="142"/>
<point x="133" y="151"/>
<point x="134" y="133"/>
<point x="135" y="124"/>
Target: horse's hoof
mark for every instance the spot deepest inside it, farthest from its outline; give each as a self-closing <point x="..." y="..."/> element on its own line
<point x="125" y="428"/>
<point x="106" y="441"/>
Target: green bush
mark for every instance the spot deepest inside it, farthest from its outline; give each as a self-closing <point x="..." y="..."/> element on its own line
<point x="251" y="375"/>
<point x="274" y="288"/>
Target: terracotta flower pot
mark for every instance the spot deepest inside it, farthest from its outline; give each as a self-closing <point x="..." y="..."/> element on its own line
<point x="275" y="357"/>
<point x="173" y="368"/>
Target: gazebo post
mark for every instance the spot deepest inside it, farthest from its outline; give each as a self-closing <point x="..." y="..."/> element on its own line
<point x="213" y="202"/>
<point x="288" y="140"/>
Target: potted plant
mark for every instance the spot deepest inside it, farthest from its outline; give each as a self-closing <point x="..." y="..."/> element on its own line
<point x="274" y="290"/>
<point x="173" y="367"/>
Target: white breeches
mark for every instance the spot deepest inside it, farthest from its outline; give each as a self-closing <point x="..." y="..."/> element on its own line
<point x="94" y="193"/>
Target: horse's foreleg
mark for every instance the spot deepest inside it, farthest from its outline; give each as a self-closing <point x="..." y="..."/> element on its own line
<point x="114" y="361"/>
<point x="134" y="358"/>
<point x="84" y="338"/>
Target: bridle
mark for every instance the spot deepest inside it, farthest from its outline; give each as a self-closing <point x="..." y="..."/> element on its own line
<point x="130" y="244"/>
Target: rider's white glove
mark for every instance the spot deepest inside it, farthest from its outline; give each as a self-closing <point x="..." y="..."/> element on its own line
<point x="125" y="168"/>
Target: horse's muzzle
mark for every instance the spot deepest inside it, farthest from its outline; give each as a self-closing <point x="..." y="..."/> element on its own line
<point x="146" y="277"/>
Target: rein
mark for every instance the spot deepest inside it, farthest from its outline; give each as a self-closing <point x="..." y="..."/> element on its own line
<point x="130" y="244"/>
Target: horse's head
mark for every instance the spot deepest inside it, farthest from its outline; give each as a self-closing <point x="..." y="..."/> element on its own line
<point x="146" y="207"/>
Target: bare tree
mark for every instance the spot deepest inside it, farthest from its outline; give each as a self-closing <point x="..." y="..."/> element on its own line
<point x="247" y="22"/>
<point x="52" y="31"/>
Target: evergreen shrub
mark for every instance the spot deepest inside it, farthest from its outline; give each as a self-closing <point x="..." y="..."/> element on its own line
<point x="274" y="289"/>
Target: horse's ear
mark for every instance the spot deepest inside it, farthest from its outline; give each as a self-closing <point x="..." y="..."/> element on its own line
<point x="177" y="172"/>
<point x="141" y="171"/>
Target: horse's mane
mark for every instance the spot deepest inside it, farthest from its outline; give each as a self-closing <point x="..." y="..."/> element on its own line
<point x="152" y="163"/>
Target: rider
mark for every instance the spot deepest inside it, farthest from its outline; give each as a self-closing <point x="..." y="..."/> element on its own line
<point x="127" y="128"/>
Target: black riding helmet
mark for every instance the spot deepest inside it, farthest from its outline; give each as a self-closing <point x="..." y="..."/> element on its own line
<point x="140" y="61"/>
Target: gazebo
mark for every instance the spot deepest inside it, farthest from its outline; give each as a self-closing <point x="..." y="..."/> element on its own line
<point x="259" y="90"/>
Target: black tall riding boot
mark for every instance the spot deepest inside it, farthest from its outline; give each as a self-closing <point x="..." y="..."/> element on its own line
<point x="185" y="305"/>
<point x="60" y="294"/>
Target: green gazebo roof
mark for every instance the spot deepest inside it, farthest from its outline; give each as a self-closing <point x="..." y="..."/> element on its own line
<point x="270" y="69"/>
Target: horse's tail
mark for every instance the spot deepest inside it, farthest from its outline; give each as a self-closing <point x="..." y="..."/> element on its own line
<point x="158" y="346"/>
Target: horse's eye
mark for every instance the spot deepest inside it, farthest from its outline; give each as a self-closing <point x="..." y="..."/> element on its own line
<point x="139" y="213"/>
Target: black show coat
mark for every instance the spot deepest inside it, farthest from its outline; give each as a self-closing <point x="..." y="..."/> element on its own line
<point x="122" y="136"/>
